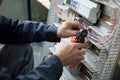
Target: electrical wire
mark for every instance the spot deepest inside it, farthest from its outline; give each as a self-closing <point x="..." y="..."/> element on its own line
<point x="116" y="3"/>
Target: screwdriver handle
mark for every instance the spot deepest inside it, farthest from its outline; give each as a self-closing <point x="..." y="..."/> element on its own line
<point x="80" y="38"/>
<point x="73" y="40"/>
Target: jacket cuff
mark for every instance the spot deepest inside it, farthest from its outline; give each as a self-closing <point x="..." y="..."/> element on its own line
<point x="4" y="73"/>
<point x="51" y="34"/>
<point x="57" y="66"/>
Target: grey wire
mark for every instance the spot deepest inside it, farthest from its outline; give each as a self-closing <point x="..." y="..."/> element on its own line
<point x="116" y="3"/>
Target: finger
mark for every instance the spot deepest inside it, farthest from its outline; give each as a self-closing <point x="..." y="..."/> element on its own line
<point x="75" y="24"/>
<point x="78" y="60"/>
<point x="81" y="52"/>
<point x="78" y="25"/>
<point x="79" y="45"/>
<point x="81" y="58"/>
<point x="73" y="32"/>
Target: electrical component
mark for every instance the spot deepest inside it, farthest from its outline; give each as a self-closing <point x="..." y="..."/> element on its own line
<point x="74" y="4"/>
<point x="103" y="36"/>
<point x="86" y="9"/>
<point x="62" y="11"/>
<point x="67" y="2"/>
<point x="85" y="71"/>
<point x="92" y="47"/>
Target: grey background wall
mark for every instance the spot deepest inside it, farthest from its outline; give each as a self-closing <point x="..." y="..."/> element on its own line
<point x="17" y="9"/>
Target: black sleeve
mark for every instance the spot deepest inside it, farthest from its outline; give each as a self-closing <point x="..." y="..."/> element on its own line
<point x="20" y="32"/>
<point x="4" y="73"/>
<point x="48" y="70"/>
<point x="51" y="69"/>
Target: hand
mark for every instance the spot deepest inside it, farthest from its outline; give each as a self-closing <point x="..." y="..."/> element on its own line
<point x="1" y="2"/>
<point x="70" y="53"/>
<point x="69" y="29"/>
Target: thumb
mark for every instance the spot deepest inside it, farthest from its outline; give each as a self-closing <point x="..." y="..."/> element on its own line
<point x="73" y="32"/>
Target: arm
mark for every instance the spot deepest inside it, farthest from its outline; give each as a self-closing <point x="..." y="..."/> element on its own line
<point x="48" y="70"/>
<point x="4" y="74"/>
<point x="67" y="53"/>
<point x="19" y="31"/>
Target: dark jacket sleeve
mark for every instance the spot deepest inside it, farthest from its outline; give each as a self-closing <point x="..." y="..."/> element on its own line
<point x="48" y="70"/>
<point x="20" y="32"/>
<point x="4" y="74"/>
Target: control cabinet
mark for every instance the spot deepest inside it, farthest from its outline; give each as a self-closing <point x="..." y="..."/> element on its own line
<point x="101" y="18"/>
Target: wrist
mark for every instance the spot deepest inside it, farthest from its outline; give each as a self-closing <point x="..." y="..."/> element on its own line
<point x="60" y="58"/>
<point x="58" y="33"/>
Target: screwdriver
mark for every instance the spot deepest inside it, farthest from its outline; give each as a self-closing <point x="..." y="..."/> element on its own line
<point x="80" y="38"/>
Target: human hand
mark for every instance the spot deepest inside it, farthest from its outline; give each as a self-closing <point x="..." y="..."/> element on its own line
<point x="1" y="2"/>
<point x="69" y="29"/>
<point x="70" y="53"/>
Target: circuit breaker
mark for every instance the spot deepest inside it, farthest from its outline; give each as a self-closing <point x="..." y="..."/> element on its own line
<point x="101" y="18"/>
